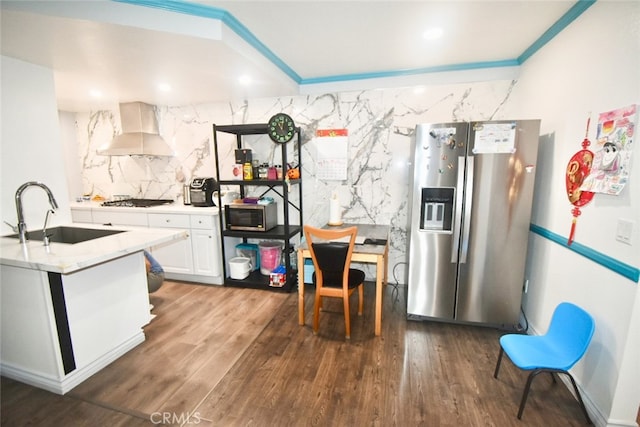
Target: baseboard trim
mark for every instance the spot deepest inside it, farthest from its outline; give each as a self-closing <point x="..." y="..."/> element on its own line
<point x="209" y="280"/>
<point x="597" y="417"/>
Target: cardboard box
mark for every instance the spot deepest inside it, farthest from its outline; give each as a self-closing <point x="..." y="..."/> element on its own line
<point x="243" y="155"/>
<point x="278" y="277"/>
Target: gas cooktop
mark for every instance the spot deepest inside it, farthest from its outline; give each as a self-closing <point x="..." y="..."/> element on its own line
<point x="137" y="203"/>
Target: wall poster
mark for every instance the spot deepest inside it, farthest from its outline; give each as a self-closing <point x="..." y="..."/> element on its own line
<point x="613" y="148"/>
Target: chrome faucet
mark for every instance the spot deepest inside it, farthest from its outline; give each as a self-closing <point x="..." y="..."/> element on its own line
<point x="45" y="237"/>
<point x="22" y="227"/>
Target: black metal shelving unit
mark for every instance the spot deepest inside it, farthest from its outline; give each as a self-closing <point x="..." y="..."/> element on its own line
<point x="285" y="231"/>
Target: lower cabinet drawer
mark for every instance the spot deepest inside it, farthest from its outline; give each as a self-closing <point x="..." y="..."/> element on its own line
<point x="119" y="218"/>
<point x="169" y="221"/>
<point x="81" y="215"/>
<point x="203" y="222"/>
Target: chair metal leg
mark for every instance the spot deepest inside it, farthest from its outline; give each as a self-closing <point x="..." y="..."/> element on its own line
<point x="525" y="394"/>
<point x="575" y="388"/>
<point x="495" y="374"/>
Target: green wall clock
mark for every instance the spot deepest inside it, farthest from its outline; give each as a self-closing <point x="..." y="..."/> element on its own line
<point x="281" y="128"/>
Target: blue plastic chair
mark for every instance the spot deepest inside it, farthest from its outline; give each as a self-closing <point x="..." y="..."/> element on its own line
<point x="557" y="351"/>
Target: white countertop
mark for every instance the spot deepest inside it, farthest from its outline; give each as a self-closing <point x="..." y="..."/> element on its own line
<point x="171" y="208"/>
<point x="68" y="258"/>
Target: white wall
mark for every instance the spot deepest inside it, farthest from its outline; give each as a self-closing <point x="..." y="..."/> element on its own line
<point x="70" y="146"/>
<point x="593" y="66"/>
<point x="30" y="147"/>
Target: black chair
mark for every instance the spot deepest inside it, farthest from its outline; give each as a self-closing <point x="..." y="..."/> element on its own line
<point x="333" y="276"/>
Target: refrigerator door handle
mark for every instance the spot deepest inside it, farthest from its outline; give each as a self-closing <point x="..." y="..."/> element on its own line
<point x="468" y="204"/>
<point x="457" y="219"/>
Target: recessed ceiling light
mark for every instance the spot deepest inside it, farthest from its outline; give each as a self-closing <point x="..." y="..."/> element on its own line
<point x="164" y="87"/>
<point x="245" y="80"/>
<point x="433" y="33"/>
<point x="95" y="93"/>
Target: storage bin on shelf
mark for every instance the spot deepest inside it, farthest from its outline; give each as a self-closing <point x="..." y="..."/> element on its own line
<point x="239" y="267"/>
<point x="249" y="250"/>
<point x="270" y="255"/>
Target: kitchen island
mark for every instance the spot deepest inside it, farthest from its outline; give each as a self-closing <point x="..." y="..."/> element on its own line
<point x="68" y="310"/>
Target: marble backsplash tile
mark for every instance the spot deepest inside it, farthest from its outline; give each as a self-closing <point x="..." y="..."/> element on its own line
<point x="380" y="123"/>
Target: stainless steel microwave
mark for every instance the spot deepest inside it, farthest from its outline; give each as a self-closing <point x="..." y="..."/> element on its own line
<point x="251" y="217"/>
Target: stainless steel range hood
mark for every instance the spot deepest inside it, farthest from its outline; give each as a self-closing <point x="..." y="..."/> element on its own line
<point x="140" y="135"/>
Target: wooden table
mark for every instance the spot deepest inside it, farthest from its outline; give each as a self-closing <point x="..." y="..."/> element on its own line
<point x="365" y="253"/>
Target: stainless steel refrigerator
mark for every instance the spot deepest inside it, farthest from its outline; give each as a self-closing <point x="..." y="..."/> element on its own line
<point x="470" y="210"/>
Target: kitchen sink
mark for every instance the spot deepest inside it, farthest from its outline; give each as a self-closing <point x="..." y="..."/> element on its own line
<point x="70" y="235"/>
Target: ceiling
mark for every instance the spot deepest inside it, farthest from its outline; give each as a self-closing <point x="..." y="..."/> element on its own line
<point x="126" y="48"/>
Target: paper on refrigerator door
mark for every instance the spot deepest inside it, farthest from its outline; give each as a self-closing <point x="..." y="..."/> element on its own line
<point x="332" y="146"/>
<point x="493" y="138"/>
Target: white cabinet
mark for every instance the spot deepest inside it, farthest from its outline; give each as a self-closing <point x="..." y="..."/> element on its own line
<point x="178" y="257"/>
<point x="195" y="259"/>
<point x="201" y="242"/>
<point x="206" y="245"/>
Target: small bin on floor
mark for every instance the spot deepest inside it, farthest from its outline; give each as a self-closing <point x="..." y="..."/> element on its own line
<point x="309" y="269"/>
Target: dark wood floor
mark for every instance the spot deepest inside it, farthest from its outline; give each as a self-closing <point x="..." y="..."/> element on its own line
<point x="218" y="356"/>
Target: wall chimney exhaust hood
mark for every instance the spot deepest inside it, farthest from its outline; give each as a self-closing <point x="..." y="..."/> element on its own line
<point x="140" y="135"/>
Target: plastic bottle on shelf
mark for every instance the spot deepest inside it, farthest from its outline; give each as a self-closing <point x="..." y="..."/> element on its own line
<point x="256" y="166"/>
<point x="247" y="171"/>
<point x="293" y="258"/>
<point x="263" y="171"/>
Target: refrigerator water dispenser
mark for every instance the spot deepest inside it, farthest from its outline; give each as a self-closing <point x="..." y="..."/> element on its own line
<point x="436" y="213"/>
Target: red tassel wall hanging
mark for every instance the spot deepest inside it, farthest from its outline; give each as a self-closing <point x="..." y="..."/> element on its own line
<point x="578" y="169"/>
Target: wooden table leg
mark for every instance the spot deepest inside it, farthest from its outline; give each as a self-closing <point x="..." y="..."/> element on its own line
<point x="300" y="288"/>
<point x="386" y="265"/>
<point x="380" y="276"/>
